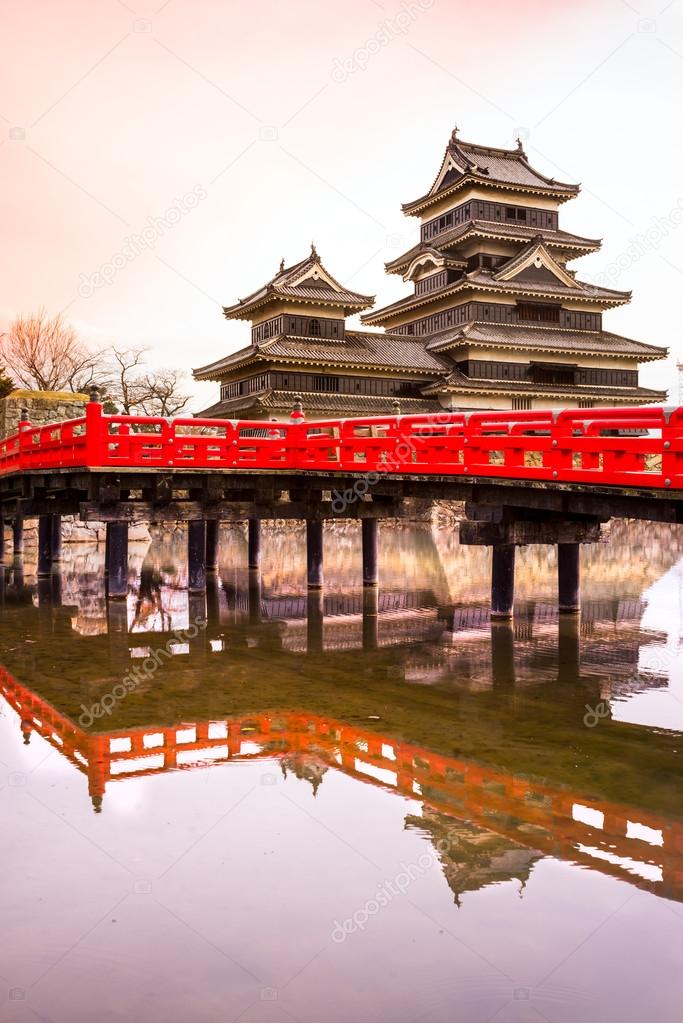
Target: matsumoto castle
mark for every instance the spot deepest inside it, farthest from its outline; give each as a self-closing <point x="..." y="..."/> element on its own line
<point x="496" y="317"/>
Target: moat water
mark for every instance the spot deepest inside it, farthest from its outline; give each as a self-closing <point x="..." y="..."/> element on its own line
<point x="263" y="807"/>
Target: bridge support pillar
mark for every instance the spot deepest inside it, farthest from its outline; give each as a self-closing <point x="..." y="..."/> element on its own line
<point x="196" y="555"/>
<point x="44" y="545"/>
<point x="314" y="621"/>
<point x="212" y="527"/>
<point x="117" y="559"/>
<point x="502" y="581"/>
<point x="370" y="616"/>
<point x="18" y="536"/>
<point x="370" y="544"/>
<point x="2" y="541"/>
<point x="314" y="553"/>
<point x="254" y="543"/>
<point x="569" y="577"/>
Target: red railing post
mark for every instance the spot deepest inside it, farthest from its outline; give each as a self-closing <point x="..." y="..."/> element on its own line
<point x="95" y="434"/>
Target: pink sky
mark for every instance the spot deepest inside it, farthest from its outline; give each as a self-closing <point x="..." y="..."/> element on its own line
<point x="309" y="121"/>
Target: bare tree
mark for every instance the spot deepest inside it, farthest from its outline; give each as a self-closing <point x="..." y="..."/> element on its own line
<point x="44" y="353"/>
<point x="135" y="389"/>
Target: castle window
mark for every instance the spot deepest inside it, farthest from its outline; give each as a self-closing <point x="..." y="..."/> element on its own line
<point x="521" y="214"/>
<point x="314" y="328"/>
<point x="538" y="312"/>
<point x="510" y="213"/>
<point x="328" y="384"/>
<point x="521" y="404"/>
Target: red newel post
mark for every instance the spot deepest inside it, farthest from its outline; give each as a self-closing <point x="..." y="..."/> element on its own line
<point x="296" y="435"/>
<point x="95" y="430"/>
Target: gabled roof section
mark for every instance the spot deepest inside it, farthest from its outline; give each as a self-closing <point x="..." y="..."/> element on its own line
<point x="570" y="245"/>
<point x="430" y="258"/>
<point x="535" y="256"/>
<point x="307" y="282"/>
<point x="481" y="282"/>
<point x="469" y="163"/>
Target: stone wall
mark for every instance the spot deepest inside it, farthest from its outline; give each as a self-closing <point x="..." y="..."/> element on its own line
<point x="43" y="407"/>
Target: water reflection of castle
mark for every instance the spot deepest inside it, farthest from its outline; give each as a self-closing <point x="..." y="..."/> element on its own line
<point x="497" y="822"/>
<point x="496" y="825"/>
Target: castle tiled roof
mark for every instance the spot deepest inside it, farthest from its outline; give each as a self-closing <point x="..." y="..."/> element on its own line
<point x="573" y="244"/>
<point x="469" y="163"/>
<point x="358" y="349"/>
<point x="314" y="402"/>
<point x="307" y="282"/>
<point x="457" y="382"/>
<point x="484" y="280"/>
<point x="543" y="339"/>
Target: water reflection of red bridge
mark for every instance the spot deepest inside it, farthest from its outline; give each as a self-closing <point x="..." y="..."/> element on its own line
<point x="632" y="844"/>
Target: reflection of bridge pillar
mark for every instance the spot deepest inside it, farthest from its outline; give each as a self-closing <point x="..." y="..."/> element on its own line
<point x="56" y="537"/>
<point x="568" y="577"/>
<point x="196" y="555"/>
<point x="254" y="543"/>
<point x="212" y="527"/>
<point x="2" y="541"/>
<point x="254" y="596"/>
<point x="196" y="604"/>
<point x="370" y="544"/>
<point x="314" y="553"/>
<point x="44" y="545"/>
<point x="370" y="614"/>
<point x="502" y="653"/>
<point x="569" y="648"/>
<point x="314" y="621"/>
<point x="212" y="600"/>
<point x="18" y="535"/>
<point x="117" y="634"/>
<point x="502" y="580"/>
<point x="56" y="588"/>
<point x="117" y="559"/>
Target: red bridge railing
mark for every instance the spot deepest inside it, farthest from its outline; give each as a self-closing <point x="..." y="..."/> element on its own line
<point x="633" y="447"/>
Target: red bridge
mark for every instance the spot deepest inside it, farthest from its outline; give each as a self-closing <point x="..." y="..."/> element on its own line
<point x="526" y="477"/>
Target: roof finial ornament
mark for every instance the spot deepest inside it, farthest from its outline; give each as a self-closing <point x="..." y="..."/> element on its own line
<point x="454" y="135"/>
<point x="282" y="264"/>
<point x="520" y="147"/>
<point x="314" y="251"/>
